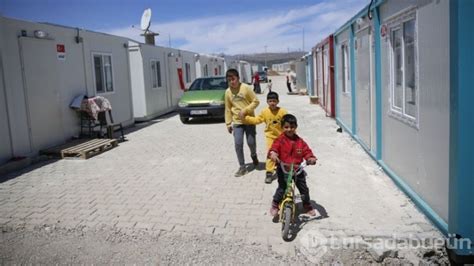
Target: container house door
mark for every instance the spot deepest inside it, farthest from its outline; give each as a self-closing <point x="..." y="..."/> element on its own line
<point x="6" y="151"/>
<point x="363" y="85"/>
<point x="40" y="60"/>
<point x="315" y="75"/>
<point x="320" y="77"/>
<point x="174" y="63"/>
<point x="325" y="79"/>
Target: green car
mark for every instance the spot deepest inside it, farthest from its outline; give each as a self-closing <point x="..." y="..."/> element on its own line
<point x="205" y="98"/>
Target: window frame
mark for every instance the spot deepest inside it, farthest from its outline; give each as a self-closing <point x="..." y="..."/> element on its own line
<point x="187" y="70"/>
<point x="345" y="71"/>
<point x="104" y="83"/>
<point x="157" y="74"/>
<point x="398" y="23"/>
<point x="206" y="70"/>
<point x="393" y="69"/>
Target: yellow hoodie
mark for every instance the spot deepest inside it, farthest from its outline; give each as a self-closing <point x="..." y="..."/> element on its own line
<point x="236" y="100"/>
<point x="272" y="121"/>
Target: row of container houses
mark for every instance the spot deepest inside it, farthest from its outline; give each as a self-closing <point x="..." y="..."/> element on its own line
<point x="244" y="68"/>
<point x="43" y="67"/>
<point x="159" y="75"/>
<point x="397" y="77"/>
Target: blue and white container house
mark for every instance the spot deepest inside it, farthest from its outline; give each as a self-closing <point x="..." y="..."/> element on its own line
<point x="403" y="91"/>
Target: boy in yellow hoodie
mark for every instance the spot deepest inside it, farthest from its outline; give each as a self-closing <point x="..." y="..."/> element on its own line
<point x="240" y="100"/>
<point x="272" y="116"/>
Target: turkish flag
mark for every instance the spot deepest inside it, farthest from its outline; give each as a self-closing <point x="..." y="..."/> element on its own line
<point x="60" y="48"/>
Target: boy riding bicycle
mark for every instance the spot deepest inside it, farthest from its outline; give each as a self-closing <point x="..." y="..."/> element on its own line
<point x="289" y="148"/>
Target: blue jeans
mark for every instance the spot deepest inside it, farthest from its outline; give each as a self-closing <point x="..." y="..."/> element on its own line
<point x="250" y="134"/>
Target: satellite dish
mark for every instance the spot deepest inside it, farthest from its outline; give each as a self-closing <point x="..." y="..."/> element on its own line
<point x="146" y="18"/>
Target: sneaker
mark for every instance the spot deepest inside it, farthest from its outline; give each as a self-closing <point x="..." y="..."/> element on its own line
<point x="268" y="177"/>
<point x="255" y="160"/>
<point x="242" y="171"/>
<point x="274" y="209"/>
<point x="310" y="210"/>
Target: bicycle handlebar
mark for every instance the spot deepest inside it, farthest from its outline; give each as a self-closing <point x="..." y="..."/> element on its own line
<point x="298" y="170"/>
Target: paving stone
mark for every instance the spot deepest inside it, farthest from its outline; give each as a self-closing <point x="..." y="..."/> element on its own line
<point x="121" y="224"/>
<point x="175" y="177"/>
<point x="145" y="225"/>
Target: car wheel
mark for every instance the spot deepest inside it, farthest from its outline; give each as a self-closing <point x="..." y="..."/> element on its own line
<point x="184" y="120"/>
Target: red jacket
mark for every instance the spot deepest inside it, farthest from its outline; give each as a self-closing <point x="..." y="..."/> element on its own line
<point x="291" y="150"/>
<point x="256" y="79"/>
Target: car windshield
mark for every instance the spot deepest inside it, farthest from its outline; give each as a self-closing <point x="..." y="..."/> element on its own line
<point x="201" y="84"/>
<point x="262" y="73"/>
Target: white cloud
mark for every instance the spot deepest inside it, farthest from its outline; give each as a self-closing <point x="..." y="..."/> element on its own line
<point x="250" y="32"/>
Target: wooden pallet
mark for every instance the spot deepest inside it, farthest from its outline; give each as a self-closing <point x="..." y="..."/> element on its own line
<point x="83" y="148"/>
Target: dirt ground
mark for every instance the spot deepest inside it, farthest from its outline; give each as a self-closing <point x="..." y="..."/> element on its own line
<point x="50" y="245"/>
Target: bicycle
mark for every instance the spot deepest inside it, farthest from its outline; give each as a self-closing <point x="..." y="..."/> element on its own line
<point x="288" y="204"/>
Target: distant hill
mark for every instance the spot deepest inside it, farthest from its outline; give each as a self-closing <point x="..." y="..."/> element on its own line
<point x="271" y="58"/>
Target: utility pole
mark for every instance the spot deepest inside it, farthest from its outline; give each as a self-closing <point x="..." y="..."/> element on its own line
<point x="303" y="38"/>
<point x="265" y="55"/>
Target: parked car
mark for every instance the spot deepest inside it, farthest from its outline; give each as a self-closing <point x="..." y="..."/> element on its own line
<point x="263" y="76"/>
<point x="204" y="98"/>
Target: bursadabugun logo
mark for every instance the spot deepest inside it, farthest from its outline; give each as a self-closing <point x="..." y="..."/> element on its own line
<point x="313" y="245"/>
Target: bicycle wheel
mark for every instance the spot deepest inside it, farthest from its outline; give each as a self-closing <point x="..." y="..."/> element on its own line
<point x="285" y="227"/>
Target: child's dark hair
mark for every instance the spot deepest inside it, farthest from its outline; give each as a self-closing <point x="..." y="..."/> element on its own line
<point x="272" y="96"/>
<point x="269" y="80"/>
<point x="232" y="72"/>
<point x="290" y="119"/>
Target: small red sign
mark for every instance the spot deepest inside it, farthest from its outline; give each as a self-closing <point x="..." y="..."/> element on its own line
<point x="60" y="48"/>
<point x="383" y="30"/>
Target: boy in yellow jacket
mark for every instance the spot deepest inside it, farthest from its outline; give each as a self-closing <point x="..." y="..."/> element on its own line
<point x="240" y="100"/>
<point x="272" y="116"/>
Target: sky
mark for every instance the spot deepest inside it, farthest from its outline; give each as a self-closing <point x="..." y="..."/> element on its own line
<point x="205" y="26"/>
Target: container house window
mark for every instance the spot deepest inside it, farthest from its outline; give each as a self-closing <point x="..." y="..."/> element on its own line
<point x="155" y="74"/>
<point x="206" y="71"/>
<point x="220" y="70"/>
<point x="187" y="67"/>
<point x="409" y="59"/>
<point x="103" y="73"/>
<point x="403" y="74"/>
<point x="345" y="71"/>
<point x="397" y="69"/>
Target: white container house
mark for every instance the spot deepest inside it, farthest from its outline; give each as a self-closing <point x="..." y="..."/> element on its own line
<point x="43" y="67"/>
<point x="244" y="68"/>
<point x="159" y="77"/>
<point x="210" y="65"/>
<point x="300" y="70"/>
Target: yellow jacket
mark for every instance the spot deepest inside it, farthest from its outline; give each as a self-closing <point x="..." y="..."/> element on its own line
<point x="272" y="121"/>
<point x="236" y="100"/>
